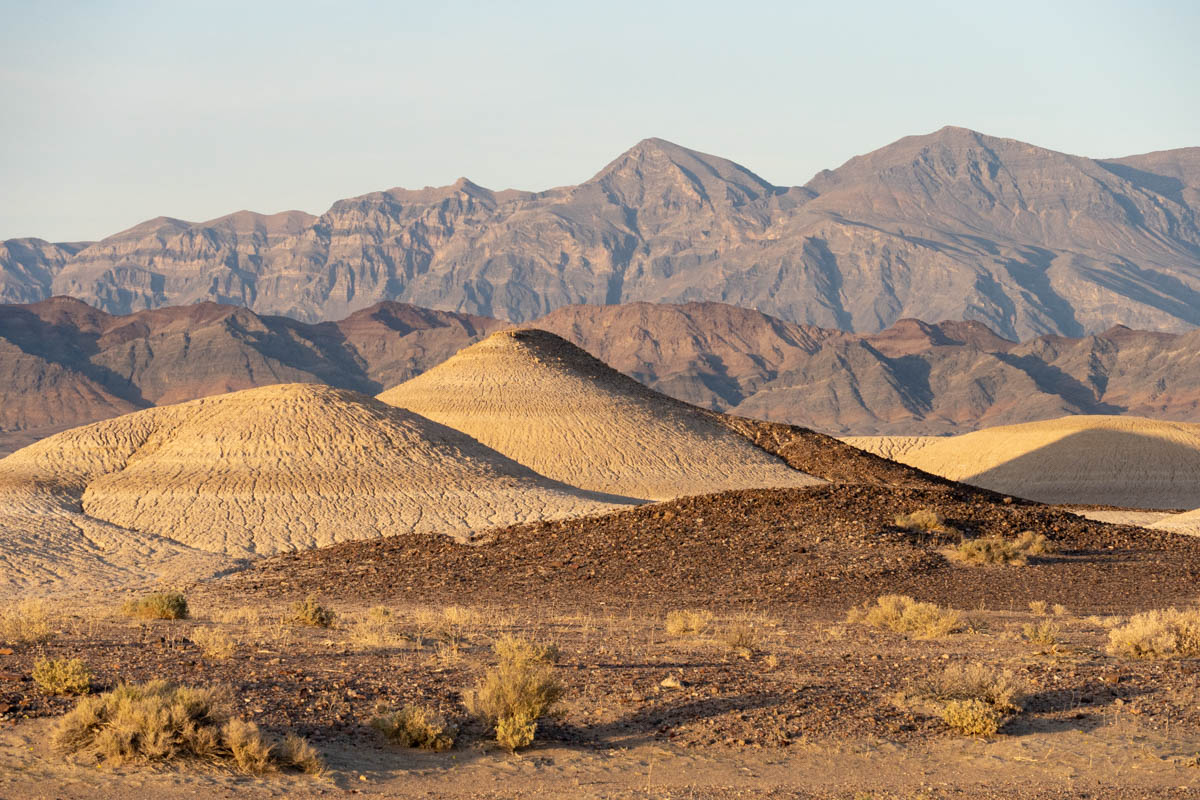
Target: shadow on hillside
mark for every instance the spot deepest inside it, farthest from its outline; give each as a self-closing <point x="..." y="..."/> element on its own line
<point x="1101" y="467"/>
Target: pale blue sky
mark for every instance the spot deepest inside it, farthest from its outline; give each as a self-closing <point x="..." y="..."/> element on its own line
<point x="114" y="112"/>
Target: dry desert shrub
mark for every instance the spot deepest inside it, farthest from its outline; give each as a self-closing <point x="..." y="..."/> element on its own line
<point x="1038" y="607"/>
<point x="1034" y="544"/>
<point x="974" y="699"/>
<point x="998" y="550"/>
<point x="160" y="605"/>
<point x="989" y="550"/>
<point x="924" y="520"/>
<point x="1158" y="634"/>
<point x="159" y="721"/>
<point x="26" y="623"/>
<point x="972" y="718"/>
<point x="903" y="614"/>
<point x="379" y="629"/>
<point x="1043" y="634"/>
<point x="62" y="676"/>
<point x="688" y="622"/>
<point x="1059" y="610"/>
<point x="214" y="642"/>
<point x="416" y="726"/>
<point x="298" y="753"/>
<point x="741" y="637"/>
<point x="519" y="690"/>
<point x="309" y="611"/>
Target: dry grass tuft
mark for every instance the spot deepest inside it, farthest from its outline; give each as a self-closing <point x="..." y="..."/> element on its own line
<point x="214" y="642"/>
<point x="902" y="614"/>
<point x="1042" y="634"/>
<point x="522" y="688"/>
<point x="415" y="726"/>
<point x="1158" y="634"/>
<point x="688" y="622"/>
<point x="1038" y="608"/>
<point x="924" y="520"/>
<point x="309" y="611"/>
<point x="297" y="753"/>
<point x="161" y="722"/>
<point x="379" y="629"/>
<point x="742" y="638"/>
<point x="26" y="623"/>
<point x="161" y="605"/>
<point x="62" y="676"/>
<point x="974" y="699"/>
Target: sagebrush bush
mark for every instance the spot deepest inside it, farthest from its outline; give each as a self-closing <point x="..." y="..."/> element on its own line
<point x="62" y="676"/>
<point x="924" y="520"/>
<point x="519" y="690"/>
<point x="416" y="726"/>
<point x="688" y="622"/>
<point x="26" y="623"/>
<point x="1158" y="634"/>
<point x="160" y="721"/>
<point x="903" y="614"/>
<point x="160" y="605"/>
<point x="309" y="611"/>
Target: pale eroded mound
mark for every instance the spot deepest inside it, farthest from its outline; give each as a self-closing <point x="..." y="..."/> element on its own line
<point x="1188" y="523"/>
<point x="549" y="405"/>
<point x="1102" y="460"/>
<point x="255" y="472"/>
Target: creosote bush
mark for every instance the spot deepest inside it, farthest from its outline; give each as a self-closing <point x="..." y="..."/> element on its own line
<point x="688" y="622"/>
<point x="161" y="722"/>
<point x="902" y="614"/>
<point x="519" y="690"/>
<point x="160" y="605"/>
<point x="309" y="611"/>
<point x="416" y="726"/>
<point x="1158" y="634"/>
<point x="974" y="699"/>
<point x="62" y="676"/>
<point x="26" y="623"/>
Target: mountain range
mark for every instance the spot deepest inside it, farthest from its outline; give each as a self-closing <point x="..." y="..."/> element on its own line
<point x="68" y="363"/>
<point x="954" y="225"/>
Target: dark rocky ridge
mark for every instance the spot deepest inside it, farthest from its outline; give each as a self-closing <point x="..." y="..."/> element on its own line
<point x="951" y="225"/>
<point x="68" y="364"/>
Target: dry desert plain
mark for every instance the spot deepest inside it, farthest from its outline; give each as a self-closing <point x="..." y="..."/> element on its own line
<point x="397" y="592"/>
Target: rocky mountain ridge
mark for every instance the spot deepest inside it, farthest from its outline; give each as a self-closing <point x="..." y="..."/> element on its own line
<point x="68" y="363"/>
<point x="951" y="225"/>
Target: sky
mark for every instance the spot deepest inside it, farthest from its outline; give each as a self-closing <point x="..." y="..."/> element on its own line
<point x="115" y="112"/>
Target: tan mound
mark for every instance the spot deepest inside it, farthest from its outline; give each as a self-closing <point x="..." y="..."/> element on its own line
<point x="549" y="405"/>
<point x="1188" y="523"/>
<point x="1087" y="460"/>
<point x="262" y="471"/>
